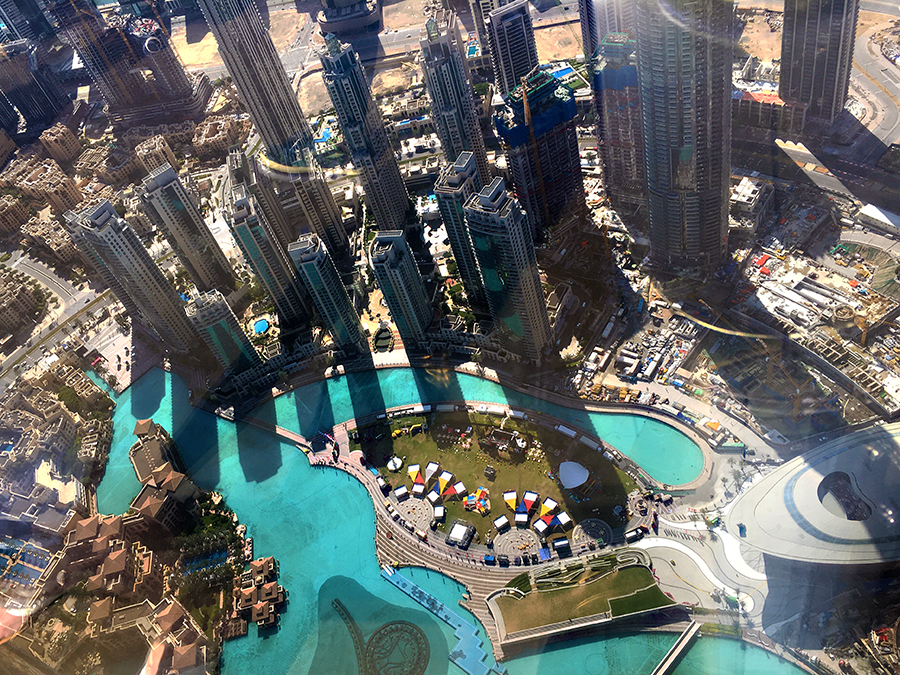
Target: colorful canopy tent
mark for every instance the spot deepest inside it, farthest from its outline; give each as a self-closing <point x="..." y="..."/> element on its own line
<point x="480" y="501"/>
<point x="529" y="499"/>
<point x="401" y="492"/>
<point x="563" y="520"/>
<point x="548" y="506"/>
<point x="430" y="470"/>
<point x="444" y="480"/>
<point x="572" y="474"/>
<point x="434" y="496"/>
<point x="394" y="463"/>
<point x="540" y="527"/>
<point x="414" y="474"/>
<point x="418" y="490"/>
<point x="521" y="519"/>
<point x="501" y="524"/>
<point x="455" y="490"/>
<point x="510" y="497"/>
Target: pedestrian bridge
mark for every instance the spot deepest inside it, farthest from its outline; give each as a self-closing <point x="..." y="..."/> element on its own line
<point x="684" y="641"/>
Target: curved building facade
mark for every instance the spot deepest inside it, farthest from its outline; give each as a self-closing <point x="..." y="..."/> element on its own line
<point x="837" y="504"/>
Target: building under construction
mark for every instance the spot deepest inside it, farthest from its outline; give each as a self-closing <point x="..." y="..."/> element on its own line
<point x="537" y="130"/>
<point x="132" y="62"/>
<point x="617" y="108"/>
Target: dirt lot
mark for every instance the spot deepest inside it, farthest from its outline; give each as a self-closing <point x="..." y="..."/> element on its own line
<point x="558" y="42"/>
<point x="759" y="41"/>
<point x="402" y="14"/>
<point x="197" y="48"/>
<point x="313" y="96"/>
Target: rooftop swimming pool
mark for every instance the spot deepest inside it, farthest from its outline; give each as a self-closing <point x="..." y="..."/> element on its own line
<point x="319" y="523"/>
<point x="260" y="326"/>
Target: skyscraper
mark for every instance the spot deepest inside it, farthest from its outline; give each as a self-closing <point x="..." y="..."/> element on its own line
<point x="12" y="18"/>
<point x="123" y="262"/>
<point x="817" y="54"/>
<point x="303" y="197"/>
<point x="511" y="41"/>
<point x="219" y="328"/>
<point x="684" y="55"/>
<point x="132" y="63"/>
<point x="249" y="54"/>
<point x="266" y="257"/>
<point x="542" y="155"/>
<point x="456" y="183"/>
<point x="479" y="10"/>
<point x="617" y="109"/>
<point x="9" y="118"/>
<point x="501" y="239"/>
<point x="322" y="281"/>
<point x="363" y="128"/>
<point x="401" y="285"/>
<point x="170" y="207"/>
<point x="599" y="17"/>
<point x="24" y="19"/>
<point x="452" y="103"/>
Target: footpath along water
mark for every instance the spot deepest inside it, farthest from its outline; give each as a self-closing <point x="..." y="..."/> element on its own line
<point x="319" y="523"/>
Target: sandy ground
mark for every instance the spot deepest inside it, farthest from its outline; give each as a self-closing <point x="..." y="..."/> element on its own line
<point x="757" y="40"/>
<point x="283" y="27"/>
<point x="393" y="79"/>
<point x="312" y="94"/>
<point x="558" y="42"/>
<point x="402" y="14"/>
<point x="868" y="19"/>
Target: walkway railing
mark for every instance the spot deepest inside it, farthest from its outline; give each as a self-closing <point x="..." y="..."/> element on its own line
<point x="667" y="665"/>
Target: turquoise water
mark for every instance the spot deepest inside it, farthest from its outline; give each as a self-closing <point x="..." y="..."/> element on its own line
<point x="260" y="326"/>
<point x="319" y="523"/>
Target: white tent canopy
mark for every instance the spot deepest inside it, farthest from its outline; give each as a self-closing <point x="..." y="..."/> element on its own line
<point x="501" y="523"/>
<point x="572" y="474"/>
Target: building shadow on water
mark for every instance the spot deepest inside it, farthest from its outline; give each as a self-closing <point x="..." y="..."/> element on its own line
<point x="147" y="394"/>
<point x="259" y="452"/>
<point x="364" y="388"/>
<point x="196" y="432"/>
<point x="314" y="411"/>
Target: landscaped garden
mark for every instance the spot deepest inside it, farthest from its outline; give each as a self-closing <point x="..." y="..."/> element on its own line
<point x="461" y="443"/>
<point x="578" y="591"/>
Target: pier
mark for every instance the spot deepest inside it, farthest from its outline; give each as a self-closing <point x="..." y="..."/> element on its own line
<point x="684" y="641"/>
<point x="468" y="653"/>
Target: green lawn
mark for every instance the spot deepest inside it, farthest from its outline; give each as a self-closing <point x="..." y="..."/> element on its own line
<point x="514" y="471"/>
<point x="626" y="590"/>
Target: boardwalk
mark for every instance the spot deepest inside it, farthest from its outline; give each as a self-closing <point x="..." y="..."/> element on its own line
<point x="467" y="653"/>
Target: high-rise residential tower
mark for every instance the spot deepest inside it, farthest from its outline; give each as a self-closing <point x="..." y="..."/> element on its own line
<point x="28" y="84"/>
<point x="121" y="259"/>
<point x="249" y="54"/>
<point x="132" y="63"/>
<point x="17" y="27"/>
<point x="170" y="207"/>
<point x="455" y="184"/>
<point x="219" y="328"/>
<point x="501" y="239"/>
<point x="599" y="17"/>
<point x="542" y="155"/>
<point x="480" y="9"/>
<point x="322" y="281"/>
<point x="23" y="19"/>
<point x="617" y="110"/>
<point x="452" y="102"/>
<point x="684" y="55"/>
<point x="817" y="54"/>
<point x="364" y="133"/>
<point x="266" y="257"/>
<point x="401" y="285"/>
<point x="511" y="41"/>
